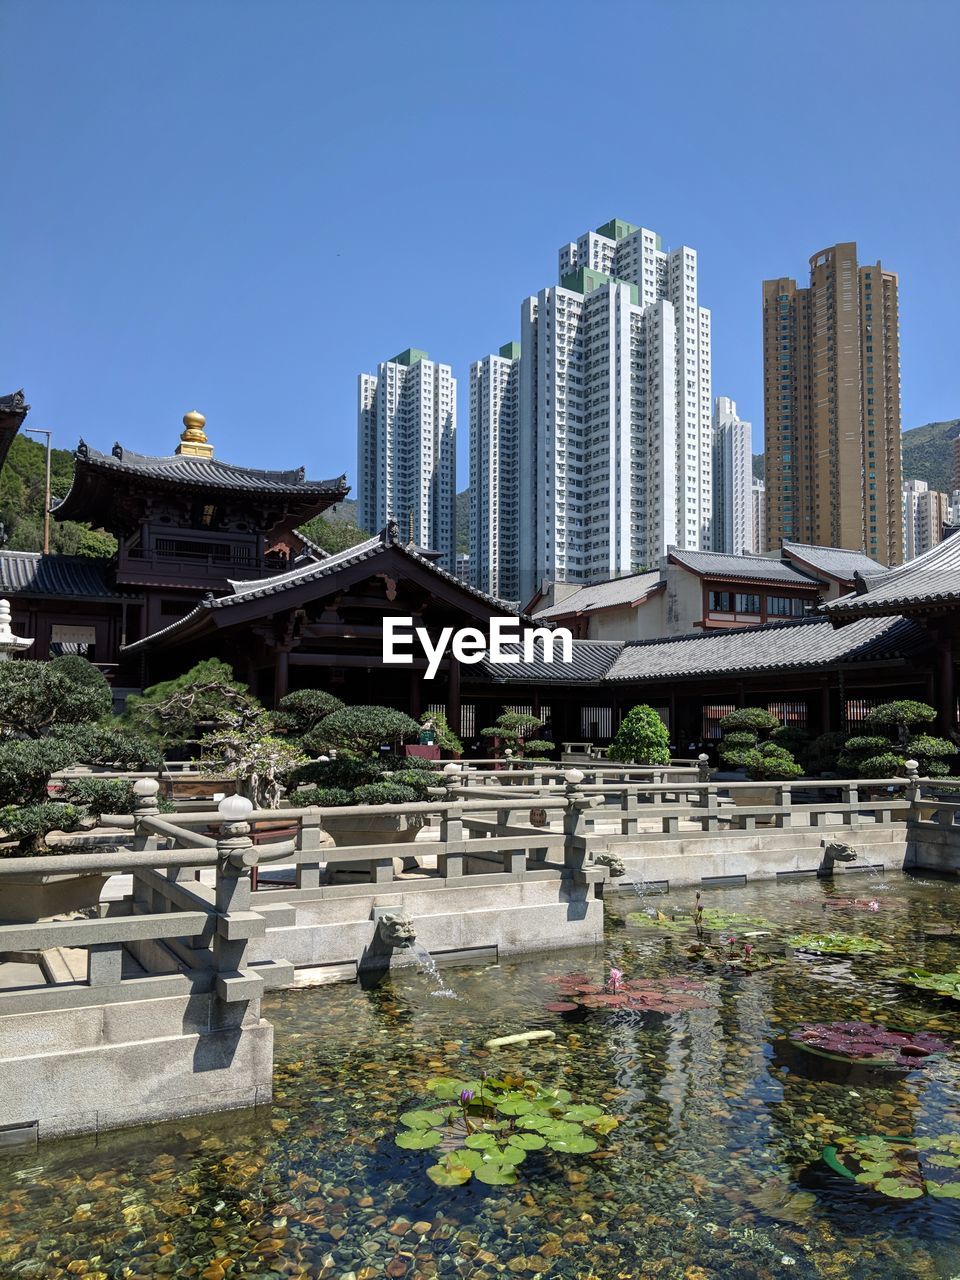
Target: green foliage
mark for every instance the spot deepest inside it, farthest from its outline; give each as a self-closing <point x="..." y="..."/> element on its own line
<point x="415" y="780"/>
<point x="325" y="797"/>
<point x="901" y="1169"/>
<point x="177" y="712"/>
<point x="37" y="696"/>
<point x="361" y="731"/>
<point x="641" y="739"/>
<point x="926" y="746"/>
<point x="883" y="765"/>
<point x="22" y="493"/>
<point x="941" y="984"/>
<point x="301" y="712"/>
<point x="342" y="773"/>
<point x="108" y="744"/>
<point x="496" y="1124"/>
<point x="99" y="795"/>
<point x="754" y="719"/>
<point x="740" y="738"/>
<point x="446" y="739"/>
<point x="902" y="714"/>
<point x="928" y="453"/>
<point x="823" y="753"/>
<point x="511" y="728"/>
<point x="25" y="767"/>
<point x="333" y="535"/>
<point x="837" y="944"/>
<point x="30" y="823"/>
<point x="384" y="793"/>
<point x="865" y="743"/>
<point x="792" y="740"/>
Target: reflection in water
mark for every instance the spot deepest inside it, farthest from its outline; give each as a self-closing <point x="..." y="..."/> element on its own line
<point x="715" y="1165"/>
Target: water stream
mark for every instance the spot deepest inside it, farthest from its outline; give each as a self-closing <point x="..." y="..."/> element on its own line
<point x="427" y="965"/>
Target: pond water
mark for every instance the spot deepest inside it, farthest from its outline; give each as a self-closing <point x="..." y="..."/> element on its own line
<point x="714" y="1170"/>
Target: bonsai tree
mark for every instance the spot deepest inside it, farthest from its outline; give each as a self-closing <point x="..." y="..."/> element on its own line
<point x="374" y="779"/>
<point x="516" y="731"/>
<point x="178" y="712"/>
<point x="641" y="739"/>
<point x="895" y="735"/>
<point x="446" y="739"/>
<point x="256" y="760"/>
<point x="64" y="732"/>
<point x="300" y="713"/>
<point x="361" y="731"/>
<point x="38" y="698"/>
<point x="748" y="742"/>
<point x="822" y="755"/>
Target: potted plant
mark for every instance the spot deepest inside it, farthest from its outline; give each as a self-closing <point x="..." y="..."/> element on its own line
<point x="515" y="732"/>
<point x="749" y="743"/>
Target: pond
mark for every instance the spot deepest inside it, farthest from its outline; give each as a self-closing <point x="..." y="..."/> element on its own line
<point x="715" y="1169"/>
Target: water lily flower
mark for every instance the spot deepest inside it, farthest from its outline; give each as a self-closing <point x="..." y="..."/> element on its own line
<point x="466" y="1097"/>
<point x="874" y="905"/>
<point x="616" y="978"/>
<point x="747" y="950"/>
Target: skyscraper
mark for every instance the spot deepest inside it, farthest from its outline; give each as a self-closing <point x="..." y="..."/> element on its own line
<point x="494" y="461"/>
<point x="732" y="480"/>
<point x="831" y="355"/>
<point x="758" y="496"/>
<point x="406" y="451"/>
<point x="615" y="432"/>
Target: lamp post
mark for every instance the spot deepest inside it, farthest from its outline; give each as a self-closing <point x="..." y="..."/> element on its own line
<point x="41" y="431"/>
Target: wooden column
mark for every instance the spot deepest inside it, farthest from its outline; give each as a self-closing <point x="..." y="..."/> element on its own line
<point x="453" y="696"/>
<point x="281" y="675"/>
<point x="946" y="698"/>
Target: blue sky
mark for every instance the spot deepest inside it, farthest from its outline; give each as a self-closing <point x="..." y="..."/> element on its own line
<point x="239" y="206"/>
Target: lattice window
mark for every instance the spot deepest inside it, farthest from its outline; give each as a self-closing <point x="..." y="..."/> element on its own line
<point x="713" y="713"/>
<point x="793" y="714"/>
<point x="596" y="722"/>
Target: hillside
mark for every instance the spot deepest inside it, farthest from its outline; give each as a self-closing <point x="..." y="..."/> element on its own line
<point x="21" y="503"/>
<point x="345" y="513"/>
<point x="927" y="454"/>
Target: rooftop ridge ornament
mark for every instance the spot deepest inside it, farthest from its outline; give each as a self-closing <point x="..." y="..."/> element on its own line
<point x="9" y="643"/>
<point x="193" y="440"/>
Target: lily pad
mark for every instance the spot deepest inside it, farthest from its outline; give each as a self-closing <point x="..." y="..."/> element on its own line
<point x="422" y="1119"/>
<point x="418" y="1139"/>
<point x="837" y="944"/>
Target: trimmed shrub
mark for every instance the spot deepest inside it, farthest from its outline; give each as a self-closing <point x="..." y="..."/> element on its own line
<point x="99" y="795"/>
<point x="31" y="823"/>
<point x="899" y="715"/>
<point x="323" y="796"/>
<point x="414" y="780"/>
<point x="26" y="766"/>
<point x="341" y="772"/>
<point x="823" y="753"/>
<point x="740" y="738"/>
<point x="299" y="713"/>
<point x="754" y="719"/>
<point x="641" y="739"/>
<point x="177" y="712"/>
<point x="361" y="731"/>
<point x="36" y="697"/>
<point x="384" y="793"/>
<point x="866" y="742"/>
<point x="924" y="745"/>
<point x="885" y="765"/>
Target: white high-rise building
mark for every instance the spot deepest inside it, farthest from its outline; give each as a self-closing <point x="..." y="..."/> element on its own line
<point x="732" y="480"/>
<point x="925" y="512"/>
<point x="406" y="451"/>
<point x="615" y="421"/>
<point x="494" y="481"/>
<point x="758" y="496"/>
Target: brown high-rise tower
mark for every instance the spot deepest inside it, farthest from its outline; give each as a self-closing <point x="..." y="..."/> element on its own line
<point x="831" y="366"/>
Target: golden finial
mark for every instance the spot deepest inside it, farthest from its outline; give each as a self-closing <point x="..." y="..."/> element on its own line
<point x="193" y="441"/>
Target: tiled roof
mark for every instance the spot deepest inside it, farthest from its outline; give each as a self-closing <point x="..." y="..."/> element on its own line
<point x="836" y="562"/>
<point x="204" y="473"/>
<point x="930" y="580"/>
<point x="716" y="564"/>
<point x="13" y="410"/>
<point x="33" y="574"/>
<point x="591" y="660"/>
<point x="604" y="595"/>
<point x="785" y="646"/>
<point x="315" y="571"/>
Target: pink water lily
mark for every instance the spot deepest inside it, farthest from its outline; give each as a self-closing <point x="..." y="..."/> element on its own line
<point x="616" y="979"/>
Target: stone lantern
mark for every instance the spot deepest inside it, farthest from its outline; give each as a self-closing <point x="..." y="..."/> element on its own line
<point x="9" y="643"/>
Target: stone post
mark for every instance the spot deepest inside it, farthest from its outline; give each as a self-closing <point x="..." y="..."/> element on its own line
<point x="310" y="840"/>
<point x="703" y="767"/>
<point x="575" y="823"/>
<point x="451" y="865"/>
<point x="236" y="922"/>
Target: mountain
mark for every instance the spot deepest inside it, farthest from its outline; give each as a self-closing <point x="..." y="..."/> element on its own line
<point x="22" y="485"/>
<point x="345" y="512"/>
<point x="758" y="470"/>
<point x="928" y="453"/>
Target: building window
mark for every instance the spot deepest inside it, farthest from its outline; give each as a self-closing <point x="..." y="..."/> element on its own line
<point x="748" y="603"/>
<point x="721" y="601"/>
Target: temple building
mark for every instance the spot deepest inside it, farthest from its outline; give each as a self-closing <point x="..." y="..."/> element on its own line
<point x="187" y="525"/>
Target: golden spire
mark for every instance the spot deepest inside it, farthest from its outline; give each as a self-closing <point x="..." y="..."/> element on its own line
<point x="193" y="441"/>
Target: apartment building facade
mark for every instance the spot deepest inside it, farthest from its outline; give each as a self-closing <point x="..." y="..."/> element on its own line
<point x="494" y="472"/>
<point x="615" y="433"/>
<point x="406" y="451"/>
<point x="733" y="524"/>
<point x="832" y="406"/>
<point x="925" y="512"/>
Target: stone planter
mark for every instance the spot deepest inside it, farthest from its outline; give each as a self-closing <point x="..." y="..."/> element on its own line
<point x="375" y="829"/>
<point x="755" y="798"/>
<point x="37" y="896"/>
